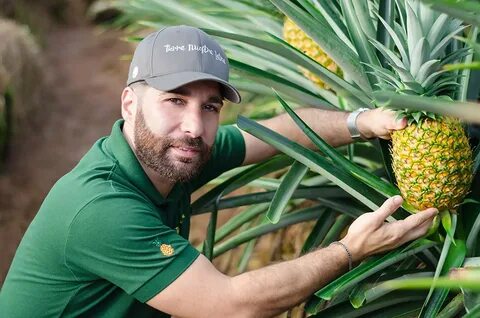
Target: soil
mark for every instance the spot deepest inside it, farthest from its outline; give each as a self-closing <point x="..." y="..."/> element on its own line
<point x="85" y="76"/>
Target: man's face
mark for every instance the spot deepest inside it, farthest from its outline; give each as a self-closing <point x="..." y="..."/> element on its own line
<point x="174" y="131"/>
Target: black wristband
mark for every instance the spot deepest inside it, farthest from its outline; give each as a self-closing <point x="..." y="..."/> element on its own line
<point x="348" y="253"/>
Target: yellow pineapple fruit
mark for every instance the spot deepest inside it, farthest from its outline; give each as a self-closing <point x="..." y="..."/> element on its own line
<point x="432" y="161"/>
<point x="431" y="157"/>
<point x="299" y="39"/>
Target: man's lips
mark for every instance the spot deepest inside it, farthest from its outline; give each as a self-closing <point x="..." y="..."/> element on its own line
<point x="186" y="151"/>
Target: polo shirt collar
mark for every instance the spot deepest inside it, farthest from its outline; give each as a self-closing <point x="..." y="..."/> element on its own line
<point x="130" y="166"/>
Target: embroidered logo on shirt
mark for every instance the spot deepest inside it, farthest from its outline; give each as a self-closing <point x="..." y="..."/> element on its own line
<point x="165" y="249"/>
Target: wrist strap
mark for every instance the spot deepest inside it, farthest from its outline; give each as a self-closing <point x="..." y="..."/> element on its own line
<point x="348" y="253"/>
<point x="352" y="124"/>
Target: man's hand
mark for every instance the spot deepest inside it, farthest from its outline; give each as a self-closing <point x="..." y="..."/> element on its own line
<point x="379" y="123"/>
<point x="370" y="234"/>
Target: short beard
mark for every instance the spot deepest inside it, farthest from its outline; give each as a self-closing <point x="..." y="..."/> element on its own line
<point x="153" y="151"/>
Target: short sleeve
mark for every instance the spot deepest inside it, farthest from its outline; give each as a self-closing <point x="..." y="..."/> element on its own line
<point x="228" y="153"/>
<point x="121" y="238"/>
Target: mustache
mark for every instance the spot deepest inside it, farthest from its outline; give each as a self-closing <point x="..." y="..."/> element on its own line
<point x="197" y="143"/>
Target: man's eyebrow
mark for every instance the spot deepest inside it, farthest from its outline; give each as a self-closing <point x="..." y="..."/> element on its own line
<point x="186" y="92"/>
<point x="215" y="99"/>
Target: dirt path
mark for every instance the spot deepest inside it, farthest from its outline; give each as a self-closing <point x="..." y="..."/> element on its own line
<point x="86" y="77"/>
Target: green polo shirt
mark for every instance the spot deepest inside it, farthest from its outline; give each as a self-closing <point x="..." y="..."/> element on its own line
<point x="104" y="240"/>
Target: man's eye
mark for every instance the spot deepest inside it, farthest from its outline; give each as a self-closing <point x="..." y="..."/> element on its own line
<point x="176" y="101"/>
<point x="211" y="108"/>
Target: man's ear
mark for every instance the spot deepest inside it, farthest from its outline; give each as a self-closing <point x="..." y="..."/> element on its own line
<point x="129" y="102"/>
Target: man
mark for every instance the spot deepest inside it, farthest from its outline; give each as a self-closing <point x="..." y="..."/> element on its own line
<point x="110" y="239"/>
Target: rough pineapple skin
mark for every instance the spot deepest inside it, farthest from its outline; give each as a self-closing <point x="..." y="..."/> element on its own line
<point x="299" y="39"/>
<point x="433" y="163"/>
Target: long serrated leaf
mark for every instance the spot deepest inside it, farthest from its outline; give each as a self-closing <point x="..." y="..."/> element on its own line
<point x="455" y="258"/>
<point x="420" y="53"/>
<point x="446" y="219"/>
<point x="280" y="83"/>
<point x="379" y="289"/>
<point x="387" y="75"/>
<point x="373" y="288"/>
<point x="473" y="235"/>
<point x="453" y="308"/>
<point x="364" y="49"/>
<point x="372" y="266"/>
<point x="286" y="220"/>
<point x="240" y="180"/>
<point x="237" y="221"/>
<point x="414" y="28"/>
<point x="468" y="112"/>
<point x="283" y="194"/>
<point x="328" y="41"/>
<point x="314" y="161"/>
<point x="389" y="55"/>
<point x="443" y="256"/>
<point x="397" y="41"/>
<point x="474" y="313"/>
<point x="364" y="18"/>
<point x="334" y="19"/>
<point x="426" y="69"/>
<point x="465" y="77"/>
<point x="466" y="10"/>
<point x="388" y="306"/>
<point x="330" y="196"/>
<point x="284" y="49"/>
<point x="438" y="29"/>
<point x="438" y="49"/>
<point x="336" y="229"/>
<point x="319" y="231"/>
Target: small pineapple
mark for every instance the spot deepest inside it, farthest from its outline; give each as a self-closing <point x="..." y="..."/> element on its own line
<point x="299" y="39"/>
<point x="432" y="158"/>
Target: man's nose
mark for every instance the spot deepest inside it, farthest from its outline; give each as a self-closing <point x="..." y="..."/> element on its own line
<point x="192" y="123"/>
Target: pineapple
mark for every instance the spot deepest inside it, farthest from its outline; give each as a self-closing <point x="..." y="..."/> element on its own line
<point x="299" y="39"/>
<point x="432" y="159"/>
<point x="432" y="162"/>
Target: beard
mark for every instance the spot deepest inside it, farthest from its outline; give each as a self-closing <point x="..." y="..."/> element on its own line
<point x="155" y="152"/>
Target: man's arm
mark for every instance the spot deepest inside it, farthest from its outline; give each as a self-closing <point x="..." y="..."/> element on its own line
<point x="202" y="291"/>
<point x="330" y="125"/>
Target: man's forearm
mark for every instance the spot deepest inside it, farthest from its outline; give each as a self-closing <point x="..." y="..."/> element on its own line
<point x="272" y="290"/>
<point x="330" y="125"/>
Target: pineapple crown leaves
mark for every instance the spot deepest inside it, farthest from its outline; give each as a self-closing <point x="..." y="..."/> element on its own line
<point x="413" y="117"/>
<point x="421" y="38"/>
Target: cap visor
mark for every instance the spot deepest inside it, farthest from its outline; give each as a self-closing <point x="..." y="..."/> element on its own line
<point x="172" y="81"/>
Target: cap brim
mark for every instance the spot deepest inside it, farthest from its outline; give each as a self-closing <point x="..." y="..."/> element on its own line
<point x="172" y="81"/>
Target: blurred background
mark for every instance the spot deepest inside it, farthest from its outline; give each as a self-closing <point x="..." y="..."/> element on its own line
<point x="60" y="80"/>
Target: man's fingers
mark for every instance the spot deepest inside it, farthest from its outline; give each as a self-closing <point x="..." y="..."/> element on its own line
<point x="418" y="218"/>
<point x="400" y="124"/>
<point x="388" y="207"/>
<point x="394" y="123"/>
<point x="418" y="231"/>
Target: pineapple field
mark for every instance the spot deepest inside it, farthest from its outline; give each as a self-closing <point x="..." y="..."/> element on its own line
<point x="418" y="58"/>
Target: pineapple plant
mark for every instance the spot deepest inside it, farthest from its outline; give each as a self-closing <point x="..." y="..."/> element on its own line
<point x="431" y="158"/>
<point x="299" y="39"/>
